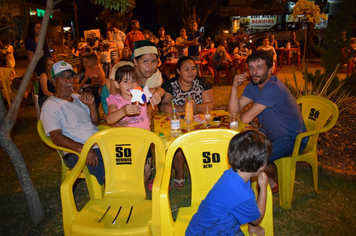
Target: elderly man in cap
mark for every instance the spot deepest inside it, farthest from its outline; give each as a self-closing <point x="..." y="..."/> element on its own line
<point x="70" y="119"/>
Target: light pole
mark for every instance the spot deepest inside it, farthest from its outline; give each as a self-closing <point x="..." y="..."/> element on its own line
<point x="76" y="22"/>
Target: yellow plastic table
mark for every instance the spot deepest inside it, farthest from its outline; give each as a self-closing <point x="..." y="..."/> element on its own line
<point x="162" y="124"/>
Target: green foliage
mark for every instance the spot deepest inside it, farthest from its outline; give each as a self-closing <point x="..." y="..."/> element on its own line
<point x="188" y="10"/>
<point x="7" y="24"/>
<point x="118" y="5"/>
<point x="309" y="11"/>
<point x="116" y="18"/>
<point x="350" y="84"/>
<point x="333" y="44"/>
<point x="323" y="86"/>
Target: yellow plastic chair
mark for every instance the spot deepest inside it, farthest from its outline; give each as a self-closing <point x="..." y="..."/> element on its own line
<point x="96" y="190"/>
<point x="316" y="111"/>
<point x="206" y="155"/>
<point x="36" y="87"/>
<point x="124" y="208"/>
<point x="7" y="85"/>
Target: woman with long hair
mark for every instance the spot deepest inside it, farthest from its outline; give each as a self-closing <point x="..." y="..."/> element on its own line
<point x="46" y="87"/>
<point x="33" y="32"/>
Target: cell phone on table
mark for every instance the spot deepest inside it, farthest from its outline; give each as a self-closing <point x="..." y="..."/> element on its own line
<point x="217" y="119"/>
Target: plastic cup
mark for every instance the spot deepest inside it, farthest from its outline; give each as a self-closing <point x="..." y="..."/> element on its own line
<point x="207" y="113"/>
<point x="234" y="120"/>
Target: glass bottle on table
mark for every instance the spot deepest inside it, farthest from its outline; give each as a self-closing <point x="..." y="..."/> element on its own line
<point x="175" y="124"/>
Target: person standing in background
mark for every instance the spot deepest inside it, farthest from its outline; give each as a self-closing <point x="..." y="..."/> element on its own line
<point x="180" y="43"/>
<point x="9" y="52"/>
<point x="114" y="46"/>
<point x="194" y="41"/>
<point x="120" y="37"/>
<point x="33" y="31"/>
<point x="134" y="35"/>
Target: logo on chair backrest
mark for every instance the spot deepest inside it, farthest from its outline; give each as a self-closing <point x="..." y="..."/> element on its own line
<point x="210" y="158"/>
<point x="313" y="115"/>
<point x="123" y="154"/>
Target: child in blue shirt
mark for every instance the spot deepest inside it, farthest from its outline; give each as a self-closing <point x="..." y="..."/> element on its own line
<point x="231" y="201"/>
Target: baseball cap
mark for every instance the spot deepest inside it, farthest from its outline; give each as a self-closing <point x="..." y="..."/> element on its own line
<point x="60" y="67"/>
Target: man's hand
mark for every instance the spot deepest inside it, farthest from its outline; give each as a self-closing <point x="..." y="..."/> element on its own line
<point x="132" y="109"/>
<point x="92" y="159"/>
<point x="258" y="230"/>
<point x="238" y="80"/>
<point x="87" y="98"/>
<point x="155" y="99"/>
<point x="262" y="180"/>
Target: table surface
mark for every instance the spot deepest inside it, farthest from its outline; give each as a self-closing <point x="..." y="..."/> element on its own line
<point x="162" y="125"/>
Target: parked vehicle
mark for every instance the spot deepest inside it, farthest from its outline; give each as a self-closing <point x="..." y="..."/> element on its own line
<point x="222" y="34"/>
<point x="282" y="33"/>
<point x="226" y="34"/>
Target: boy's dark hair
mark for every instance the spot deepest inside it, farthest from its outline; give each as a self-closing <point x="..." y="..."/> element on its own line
<point x="261" y="54"/>
<point x="249" y="151"/>
<point x="124" y="70"/>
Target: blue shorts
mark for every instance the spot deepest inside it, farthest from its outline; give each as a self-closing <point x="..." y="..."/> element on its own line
<point x="283" y="147"/>
<point x="98" y="171"/>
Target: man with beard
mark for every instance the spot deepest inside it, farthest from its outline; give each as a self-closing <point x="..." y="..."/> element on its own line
<point x="274" y="106"/>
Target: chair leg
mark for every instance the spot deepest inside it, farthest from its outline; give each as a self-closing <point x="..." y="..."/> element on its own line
<point x="228" y="77"/>
<point x="314" y="165"/>
<point x="286" y="176"/>
<point x="216" y="77"/>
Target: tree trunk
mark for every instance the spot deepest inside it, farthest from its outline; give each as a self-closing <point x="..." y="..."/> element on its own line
<point x="305" y="46"/>
<point x="308" y="50"/>
<point x="8" y="121"/>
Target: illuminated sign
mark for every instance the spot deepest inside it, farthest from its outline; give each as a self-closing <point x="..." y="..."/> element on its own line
<point x="263" y="21"/>
<point x="32" y="13"/>
<point x="40" y="13"/>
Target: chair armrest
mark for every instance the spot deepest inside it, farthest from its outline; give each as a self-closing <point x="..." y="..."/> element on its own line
<point x="67" y="195"/>
<point x="300" y="136"/>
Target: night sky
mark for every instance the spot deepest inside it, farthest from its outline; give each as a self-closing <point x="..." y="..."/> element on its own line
<point x="146" y="11"/>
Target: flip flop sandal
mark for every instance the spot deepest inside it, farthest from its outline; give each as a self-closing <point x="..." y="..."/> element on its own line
<point x="178" y="183"/>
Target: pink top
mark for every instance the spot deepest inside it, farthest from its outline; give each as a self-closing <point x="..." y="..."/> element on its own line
<point x="138" y="121"/>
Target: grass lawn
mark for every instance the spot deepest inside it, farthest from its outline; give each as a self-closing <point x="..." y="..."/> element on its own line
<point x="331" y="212"/>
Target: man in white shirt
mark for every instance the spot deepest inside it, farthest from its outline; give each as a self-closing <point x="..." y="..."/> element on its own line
<point x="70" y="119"/>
